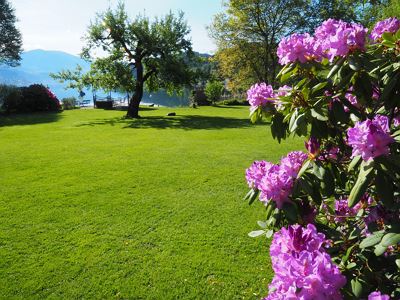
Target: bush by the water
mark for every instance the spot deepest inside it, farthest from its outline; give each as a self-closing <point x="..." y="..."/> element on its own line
<point x="7" y="91"/>
<point x="35" y="97"/>
<point x="234" y="101"/>
<point x="213" y="91"/>
<point x="69" y="103"/>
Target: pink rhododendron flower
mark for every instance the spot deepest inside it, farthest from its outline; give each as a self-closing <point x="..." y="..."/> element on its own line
<point x="378" y="296"/>
<point x="389" y="25"/>
<point x="339" y="38"/>
<point x="256" y="172"/>
<point x="299" y="47"/>
<point x="369" y="139"/>
<point x="303" y="270"/>
<point x="277" y="183"/>
<point x="292" y="162"/>
<point x="260" y="94"/>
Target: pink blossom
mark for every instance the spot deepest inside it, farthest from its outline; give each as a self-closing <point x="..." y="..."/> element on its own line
<point x="256" y="172"/>
<point x="303" y="270"/>
<point x="378" y="296"/>
<point x="369" y="139"/>
<point x="298" y="47"/>
<point x="390" y="25"/>
<point x="260" y="94"/>
<point x="339" y="38"/>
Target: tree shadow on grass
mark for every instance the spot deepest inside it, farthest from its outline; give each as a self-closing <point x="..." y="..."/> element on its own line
<point x="28" y="119"/>
<point x="178" y="122"/>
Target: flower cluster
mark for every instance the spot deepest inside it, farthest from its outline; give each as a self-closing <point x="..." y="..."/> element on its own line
<point x="303" y="270"/>
<point x="343" y="211"/>
<point x="370" y="138"/>
<point x="338" y="38"/>
<point x="275" y="181"/>
<point x="256" y="172"/>
<point x="332" y="39"/>
<point x="260" y="94"/>
<point x="378" y="296"/>
<point x="390" y="25"/>
<point x="298" y="47"/>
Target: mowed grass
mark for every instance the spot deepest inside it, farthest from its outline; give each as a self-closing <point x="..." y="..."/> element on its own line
<point x="98" y="207"/>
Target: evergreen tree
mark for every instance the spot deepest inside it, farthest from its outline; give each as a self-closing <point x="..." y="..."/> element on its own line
<point x="10" y="37"/>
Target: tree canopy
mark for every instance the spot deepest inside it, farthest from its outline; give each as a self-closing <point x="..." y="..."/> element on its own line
<point x="10" y="37"/>
<point x="247" y="33"/>
<point x="155" y="53"/>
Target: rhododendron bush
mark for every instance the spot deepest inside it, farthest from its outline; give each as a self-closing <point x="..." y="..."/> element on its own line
<point x="333" y="209"/>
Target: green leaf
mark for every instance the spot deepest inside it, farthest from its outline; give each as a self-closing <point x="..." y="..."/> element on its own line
<point x="291" y="212"/>
<point x="356" y="287"/>
<point x="269" y="233"/>
<point x="262" y="224"/>
<point x="248" y="195"/>
<point x="278" y="127"/>
<point x="292" y="122"/>
<point x="256" y="233"/>
<point x="390" y="239"/>
<point x="253" y="196"/>
<point x="347" y="255"/>
<point x="319" y="114"/>
<point x="354" y="63"/>
<point x="361" y="185"/>
<point x="336" y="67"/>
<point x="398" y="263"/>
<point x="354" y="162"/>
<point x="384" y="189"/>
<point x="351" y="265"/>
<point x="371" y="240"/>
<point x="379" y="250"/>
<point x="304" y="168"/>
<point x="388" y="36"/>
<point x="318" y="87"/>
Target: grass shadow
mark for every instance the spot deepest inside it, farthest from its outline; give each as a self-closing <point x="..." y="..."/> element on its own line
<point x="29" y="119"/>
<point x="182" y="122"/>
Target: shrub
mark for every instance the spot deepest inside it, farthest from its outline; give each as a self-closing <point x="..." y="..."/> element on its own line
<point x="334" y="212"/>
<point x="234" y="102"/>
<point x="5" y="91"/>
<point x="69" y="103"/>
<point x="33" y="98"/>
<point x="213" y="90"/>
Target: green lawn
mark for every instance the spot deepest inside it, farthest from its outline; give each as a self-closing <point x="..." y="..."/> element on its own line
<point x="96" y="206"/>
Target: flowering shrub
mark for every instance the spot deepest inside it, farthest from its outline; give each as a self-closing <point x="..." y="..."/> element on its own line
<point x="35" y="97"/>
<point x="334" y="210"/>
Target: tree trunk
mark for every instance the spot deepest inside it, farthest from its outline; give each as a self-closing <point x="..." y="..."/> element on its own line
<point x="133" y="107"/>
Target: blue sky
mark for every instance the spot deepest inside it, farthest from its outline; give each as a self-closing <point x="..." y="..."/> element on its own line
<point x="60" y="24"/>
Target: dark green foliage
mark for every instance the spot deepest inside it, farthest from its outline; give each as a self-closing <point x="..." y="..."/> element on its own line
<point x="10" y="37"/>
<point x="140" y="53"/>
<point x="213" y="90"/>
<point x="68" y="103"/>
<point x="33" y="98"/>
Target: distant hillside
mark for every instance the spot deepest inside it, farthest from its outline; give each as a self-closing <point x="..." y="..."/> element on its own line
<point x="36" y="65"/>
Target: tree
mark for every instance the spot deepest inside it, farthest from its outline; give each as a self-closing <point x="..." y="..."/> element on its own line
<point x="10" y="37"/>
<point x="248" y="31"/>
<point x="156" y="53"/>
<point x="213" y="90"/>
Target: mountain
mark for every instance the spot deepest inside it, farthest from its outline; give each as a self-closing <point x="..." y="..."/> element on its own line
<point x="36" y="65"/>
